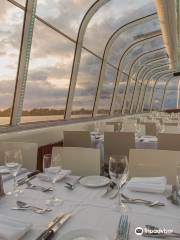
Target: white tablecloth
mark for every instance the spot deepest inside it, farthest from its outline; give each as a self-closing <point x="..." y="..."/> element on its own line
<point x="90" y="210"/>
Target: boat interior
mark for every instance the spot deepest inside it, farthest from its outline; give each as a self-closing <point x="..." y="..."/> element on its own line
<point x="91" y="89"/>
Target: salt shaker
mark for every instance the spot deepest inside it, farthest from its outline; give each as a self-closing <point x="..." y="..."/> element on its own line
<point x="1" y="187"/>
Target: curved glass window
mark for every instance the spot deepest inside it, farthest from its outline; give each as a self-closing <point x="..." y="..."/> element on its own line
<point x="110" y="17"/>
<point x="49" y="75"/>
<point x="107" y="91"/>
<point x="171" y="100"/>
<point x="66" y="15"/>
<point x="120" y="94"/>
<point x="146" y="46"/>
<point x="86" y="85"/>
<point x="129" y="95"/>
<point x="11" y="23"/>
<point x="158" y="94"/>
<point x="131" y="36"/>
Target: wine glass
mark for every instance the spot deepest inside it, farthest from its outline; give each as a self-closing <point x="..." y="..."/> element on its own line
<point x="51" y="169"/>
<point x="118" y="171"/>
<point x="13" y="162"/>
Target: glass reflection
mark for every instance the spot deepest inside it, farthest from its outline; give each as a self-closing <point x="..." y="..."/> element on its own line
<point x="11" y="22"/>
<point x="86" y="85"/>
<point x="49" y="75"/>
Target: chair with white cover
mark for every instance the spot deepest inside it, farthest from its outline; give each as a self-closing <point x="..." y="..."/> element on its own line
<point x="154" y="163"/>
<point x="107" y="128"/>
<point x="118" y="143"/>
<point x="81" y="161"/>
<point x="151" y="128"/>
<point x="77" y="139"/>
<point x="29" y="153"/>
<point x="169" y="141"/>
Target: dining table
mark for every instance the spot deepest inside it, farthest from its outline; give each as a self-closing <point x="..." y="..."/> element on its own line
<point x="91" y="208"/>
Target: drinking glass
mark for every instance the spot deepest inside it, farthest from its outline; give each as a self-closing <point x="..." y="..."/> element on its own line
<point x="48" y="163"/>
<point x="13" y="162"/>
<point x="118" y="171"/>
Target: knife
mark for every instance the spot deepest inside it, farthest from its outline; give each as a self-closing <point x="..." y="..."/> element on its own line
<point x="54" y="226"/>
<point x="27" y="178"/>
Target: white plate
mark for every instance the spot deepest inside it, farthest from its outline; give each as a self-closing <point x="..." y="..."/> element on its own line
<point x="84" y="234"/>
<point x="94" y="181"/>
<point x="4" y="170"/>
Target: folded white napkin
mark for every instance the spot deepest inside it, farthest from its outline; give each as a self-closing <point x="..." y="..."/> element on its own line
<point x="53" y="170"/>
<point x="12" y="229"/>
<point x="62" y="174"/>
<point x="147" y="184"/>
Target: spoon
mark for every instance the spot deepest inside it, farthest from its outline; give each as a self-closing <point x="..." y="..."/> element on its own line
<point x="24" y="205"/>
<point x="43" y="189"/>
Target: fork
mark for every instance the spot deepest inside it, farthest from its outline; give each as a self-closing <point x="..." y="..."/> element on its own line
<point x="139" y="200"/>
<point x="123" y="228"/>
<point x="38" y="187"/>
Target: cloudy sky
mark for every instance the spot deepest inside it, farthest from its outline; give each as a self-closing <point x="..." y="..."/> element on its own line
<point x="52" y="54"/>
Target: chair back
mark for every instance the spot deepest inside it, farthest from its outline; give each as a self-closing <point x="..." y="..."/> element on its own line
<point x="77" y="139"/>
<point x="29" y="153"/>
<point x="154" y="163"/>
<point x="118" y="143"/>
<point x="81" y="161"/>
<point x="151" y="128"/>
<point x="169" y="141"/>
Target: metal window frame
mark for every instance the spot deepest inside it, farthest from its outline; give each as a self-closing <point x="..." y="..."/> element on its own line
<point x="77" y="55"/>
<point x="141" y="70"/>
<point x="142" y="93"/>
<point x="161" y="71"/>
<point x="109" y="43"/>
<point x="136" y="80"/>
<point x="23" y="62"/>
<point x="120" y="70"/>
<point x="156" y="81"/>
<point x="129" y="79"/>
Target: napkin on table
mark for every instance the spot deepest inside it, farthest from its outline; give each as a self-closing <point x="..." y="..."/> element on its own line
<point x="12" y="229"/>
<point x="147" y="184"/>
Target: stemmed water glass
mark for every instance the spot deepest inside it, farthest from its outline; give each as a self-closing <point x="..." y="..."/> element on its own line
<point x="13" y="162"/>
<point x="51" y="169"/>
<point x="118" y="171"/>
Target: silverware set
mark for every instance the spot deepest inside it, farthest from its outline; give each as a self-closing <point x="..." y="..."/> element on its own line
<point x="25" y="206"/>
<point x="141" y="201"/>
<point x="71" y="185"/>
<point x="109" y="190"/>
<point x="123" y="228"/>
<point x="38" y="187"/>
<point x="54" y="226"/>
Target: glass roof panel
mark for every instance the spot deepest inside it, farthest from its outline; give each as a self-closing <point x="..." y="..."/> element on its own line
<point x="170" y="101"/>
<point x="145" y="47"/>
<point x="86" y="85"/>
<point x="173" y="84"/>
<point x="158" y="94"/>
<point x="66" y="15"/>
<point x="112" y="16"/>
<point x="11" y="23"/>
<point x="49" y="75"/>
<point x="131" y="36"/>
